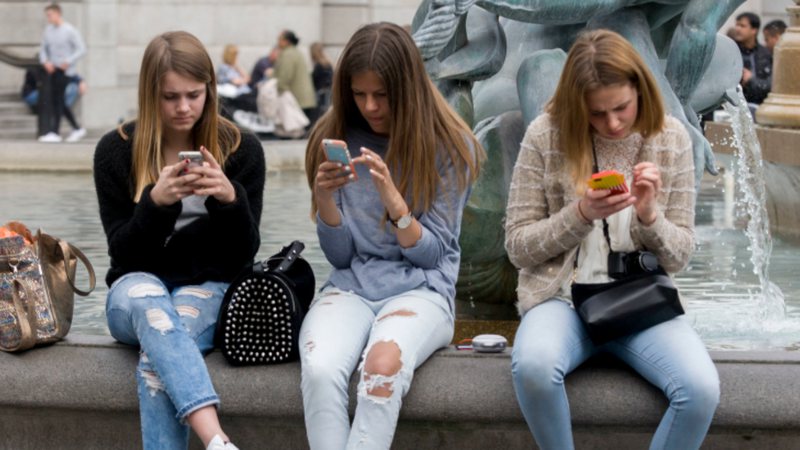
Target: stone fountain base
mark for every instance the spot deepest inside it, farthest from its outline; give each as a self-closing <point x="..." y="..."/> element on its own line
<point x="81" y="393"/>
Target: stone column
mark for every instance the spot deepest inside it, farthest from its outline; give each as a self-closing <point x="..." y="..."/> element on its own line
<point x="782" y="106"/>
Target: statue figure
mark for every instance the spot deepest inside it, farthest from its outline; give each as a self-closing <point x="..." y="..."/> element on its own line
<point x="498" y="62"/>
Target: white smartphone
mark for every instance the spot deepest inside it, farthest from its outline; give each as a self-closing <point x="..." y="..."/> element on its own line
<point x="195" y="158"/>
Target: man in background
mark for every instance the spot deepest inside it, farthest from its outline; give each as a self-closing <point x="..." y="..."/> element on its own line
<point x="772" y="33"/>
<point x="62" y="46"/>
<point x="757" y="60"/>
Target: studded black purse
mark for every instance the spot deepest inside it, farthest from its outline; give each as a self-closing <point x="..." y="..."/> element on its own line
<point x="263" y="308"/>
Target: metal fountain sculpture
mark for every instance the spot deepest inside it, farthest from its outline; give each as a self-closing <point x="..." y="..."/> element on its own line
<point x="498" y="62"/>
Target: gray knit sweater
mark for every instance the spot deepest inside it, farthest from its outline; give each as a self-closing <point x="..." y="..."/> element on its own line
<point x="544" y="230"/>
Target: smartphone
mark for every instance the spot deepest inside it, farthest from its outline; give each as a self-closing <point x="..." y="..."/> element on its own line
<point x="609" y="179"/>
<point x="195" y="158"/>
<point x="336" y="150"/>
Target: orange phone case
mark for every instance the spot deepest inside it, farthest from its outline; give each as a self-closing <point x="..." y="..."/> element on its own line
<point x="608" y="179"/>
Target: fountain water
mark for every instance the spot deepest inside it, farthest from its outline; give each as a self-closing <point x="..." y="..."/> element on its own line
<point x="749" y="172"/>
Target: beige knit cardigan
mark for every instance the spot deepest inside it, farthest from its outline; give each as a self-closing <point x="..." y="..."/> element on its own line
<point x="543" y="226"/>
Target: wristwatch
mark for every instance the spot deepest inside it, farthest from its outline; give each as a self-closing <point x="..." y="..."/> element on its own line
<point x="403" y="222"/>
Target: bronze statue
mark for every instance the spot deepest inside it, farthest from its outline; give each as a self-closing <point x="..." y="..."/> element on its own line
<point x="498" y="62"/>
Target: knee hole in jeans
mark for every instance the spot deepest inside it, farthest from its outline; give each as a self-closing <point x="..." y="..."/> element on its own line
<point x="381" y="368"/>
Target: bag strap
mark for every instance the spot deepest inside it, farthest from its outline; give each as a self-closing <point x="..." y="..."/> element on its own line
<point x="68" y="250"/>
<point x="25" y="315"/>
<point x="291" y="254"/>
<point x="596" y="169"/>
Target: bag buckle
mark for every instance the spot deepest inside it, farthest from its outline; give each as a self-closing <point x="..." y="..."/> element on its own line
<point x="14" y="264"/>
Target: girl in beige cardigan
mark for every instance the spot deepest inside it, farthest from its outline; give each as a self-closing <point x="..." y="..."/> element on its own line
<point x="606" y="99"/>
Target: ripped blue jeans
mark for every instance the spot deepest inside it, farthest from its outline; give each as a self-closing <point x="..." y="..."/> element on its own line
<point x="174" y="328"/>
<point x="340" y="329"/>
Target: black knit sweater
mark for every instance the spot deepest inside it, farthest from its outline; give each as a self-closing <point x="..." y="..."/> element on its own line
<point x="140" y="235"/>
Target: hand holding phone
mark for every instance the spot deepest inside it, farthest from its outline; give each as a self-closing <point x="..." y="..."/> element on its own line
<point x="608" y="179"/>
<point x="336" y="151"/>
<point x="195" y="158"/>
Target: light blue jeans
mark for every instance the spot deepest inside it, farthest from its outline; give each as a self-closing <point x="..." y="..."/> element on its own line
<point x="551" y="342"/>
<point x="339" y="330"/>
<point x="174" y="328"/>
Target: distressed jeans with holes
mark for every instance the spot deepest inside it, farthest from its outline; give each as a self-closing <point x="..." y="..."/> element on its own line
<point x="551" y="342"/>
<point x="174" y="327"/>
<point x="339" y="330"/>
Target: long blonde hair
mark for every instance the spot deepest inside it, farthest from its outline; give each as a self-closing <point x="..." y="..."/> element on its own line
<point x="184" y="54"/>
<point x="422" y="124"/>
<point x="318" y="54"/>
<point x="229" y="54"/>
<point x="598" y="59"/>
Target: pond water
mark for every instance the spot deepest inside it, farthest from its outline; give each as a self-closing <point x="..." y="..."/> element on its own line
<point x="719" y="286"/>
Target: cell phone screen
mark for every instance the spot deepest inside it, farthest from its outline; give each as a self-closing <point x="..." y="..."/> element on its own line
<point x="336" y="150"/>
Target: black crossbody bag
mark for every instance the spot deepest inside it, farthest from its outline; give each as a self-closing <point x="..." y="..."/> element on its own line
<point x="642" y="295"/>
<point x="260" y="317"/>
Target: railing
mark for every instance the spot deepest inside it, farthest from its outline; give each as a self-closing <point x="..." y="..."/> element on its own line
<point x="15" y="60"/>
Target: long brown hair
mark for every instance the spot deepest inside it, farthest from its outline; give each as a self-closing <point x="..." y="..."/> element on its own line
<point x="184" y="54"/>
<point x="598" y="59"/>
<point x="422" y="124"/>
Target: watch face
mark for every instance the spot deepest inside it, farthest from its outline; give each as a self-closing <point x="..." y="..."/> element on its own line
<point x="404" y="222"/>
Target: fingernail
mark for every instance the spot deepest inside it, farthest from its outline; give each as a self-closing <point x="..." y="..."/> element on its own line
<point x="347" y="168"/>
<point x="351" y="177"/>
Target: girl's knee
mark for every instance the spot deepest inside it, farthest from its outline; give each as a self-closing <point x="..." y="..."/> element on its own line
<point x="537" y="365"/>
<point x="127" y="292"/>
<point x="382" y="366"/>
<point x="705" y="391"/>
<point x="698" y="391"/>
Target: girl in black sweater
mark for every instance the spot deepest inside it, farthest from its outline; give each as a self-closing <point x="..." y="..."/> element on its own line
<point x="177" y="234"/>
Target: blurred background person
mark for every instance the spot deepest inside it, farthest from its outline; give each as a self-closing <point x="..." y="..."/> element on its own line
<point x="322" y="75"/>
<point x="76" y="88"/>
<point x="757" y="60"/>
<point x="233" y="85"/>
<point x="772" y="33"/>
<point x="293" y="75"/>
<point x="229" y="72"/>
<point x="62" y="46"/>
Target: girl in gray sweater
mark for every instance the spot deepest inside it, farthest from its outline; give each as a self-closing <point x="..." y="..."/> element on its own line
<point x="390" y="230"/>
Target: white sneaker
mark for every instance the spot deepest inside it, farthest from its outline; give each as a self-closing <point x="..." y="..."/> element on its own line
<point x="50" y="138"/>
<point x="76" y="135"/>
<point x="216" y="443"/>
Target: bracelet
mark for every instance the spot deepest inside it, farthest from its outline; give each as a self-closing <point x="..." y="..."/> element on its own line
<point x="583" y="216"/>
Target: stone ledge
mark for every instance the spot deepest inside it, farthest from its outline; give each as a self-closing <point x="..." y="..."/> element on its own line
<point x="30" y="155"/>
<point x="85" y="388"/>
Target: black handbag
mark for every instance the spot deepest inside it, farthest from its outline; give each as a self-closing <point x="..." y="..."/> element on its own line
<point x="621" y="307"/>
<point x="263" y="308"/>
<point x="641" y="296"/>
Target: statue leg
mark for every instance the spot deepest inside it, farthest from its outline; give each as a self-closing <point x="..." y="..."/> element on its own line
<point x="693" y="43"/>
<point x="690" y="54"/>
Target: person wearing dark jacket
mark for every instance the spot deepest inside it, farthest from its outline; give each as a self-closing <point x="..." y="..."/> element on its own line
<point x="757" y="59"/>
<point x="177" y="235"/>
